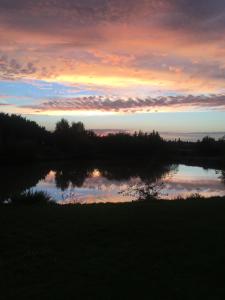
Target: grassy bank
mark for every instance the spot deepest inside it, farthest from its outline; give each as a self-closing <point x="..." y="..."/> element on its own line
<point x="158" y="250"/>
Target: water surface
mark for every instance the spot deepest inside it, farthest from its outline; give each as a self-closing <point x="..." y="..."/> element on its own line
<point x="97" y="182"/>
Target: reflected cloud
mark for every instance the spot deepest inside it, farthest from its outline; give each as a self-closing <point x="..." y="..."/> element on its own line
<point x="107" y="184"/>
<point x="100" y="182"/>
<point x="189" y="180"/>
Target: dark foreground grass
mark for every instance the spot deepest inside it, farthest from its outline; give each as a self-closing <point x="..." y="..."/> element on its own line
<point x="160" y="250"/>
<point x="31" y="198"/>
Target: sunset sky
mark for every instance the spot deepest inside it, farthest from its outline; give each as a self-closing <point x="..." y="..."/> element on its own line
<point x="126" y="64"/>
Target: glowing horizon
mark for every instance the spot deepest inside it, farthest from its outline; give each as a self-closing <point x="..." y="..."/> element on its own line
<point x="113" y="58"/>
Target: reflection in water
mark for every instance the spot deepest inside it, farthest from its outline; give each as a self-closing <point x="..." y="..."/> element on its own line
<point x="189" y="180"/>
<point x="16" y="179"/>
<point x="223" y="176"/>
<point x="71" y="176"/>
<point x="95" y="182"/>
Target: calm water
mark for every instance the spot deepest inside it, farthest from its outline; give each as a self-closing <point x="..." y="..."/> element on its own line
<point x="104" y="182"/>
<point x="184" y="136"/>
<point x="191" y="136"/>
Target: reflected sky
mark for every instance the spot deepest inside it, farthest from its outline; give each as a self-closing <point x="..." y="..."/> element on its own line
<point x="188" y="180"/>
<point x="181" y="181"/>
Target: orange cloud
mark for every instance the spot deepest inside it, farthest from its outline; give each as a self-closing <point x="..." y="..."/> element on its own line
<point x="127" y="48"/>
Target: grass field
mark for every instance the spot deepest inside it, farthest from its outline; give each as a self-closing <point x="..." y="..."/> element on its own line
<point x="158" y="250"/>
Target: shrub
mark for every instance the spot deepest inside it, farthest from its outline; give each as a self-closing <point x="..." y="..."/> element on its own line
<point x="31" y="198"/>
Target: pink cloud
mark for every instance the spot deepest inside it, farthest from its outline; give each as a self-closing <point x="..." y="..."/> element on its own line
<point x="114" y="104"/>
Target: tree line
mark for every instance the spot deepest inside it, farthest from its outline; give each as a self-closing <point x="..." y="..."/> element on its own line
<point x="22" y="139"/>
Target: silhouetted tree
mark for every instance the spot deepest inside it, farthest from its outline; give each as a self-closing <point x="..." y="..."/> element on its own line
<point x="78" y="128"/>
<point x="21" y="139"/>
<point x="62" y="126"/>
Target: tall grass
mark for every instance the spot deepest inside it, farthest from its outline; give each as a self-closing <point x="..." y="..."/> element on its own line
<point x="31" y="198"/>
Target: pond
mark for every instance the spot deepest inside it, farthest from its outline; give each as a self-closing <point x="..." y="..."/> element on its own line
<point x="100" y="182"/>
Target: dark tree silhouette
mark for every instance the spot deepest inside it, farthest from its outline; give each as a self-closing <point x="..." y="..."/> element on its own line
<point x="21" y="139"/>
<point x="78" y="128"/>
<point x="62" y="127"/>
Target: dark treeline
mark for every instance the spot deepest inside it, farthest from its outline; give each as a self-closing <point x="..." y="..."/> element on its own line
<point x="21" y="139"/>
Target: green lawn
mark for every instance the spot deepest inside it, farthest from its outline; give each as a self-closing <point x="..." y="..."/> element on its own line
<point x="160" y="250"/>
